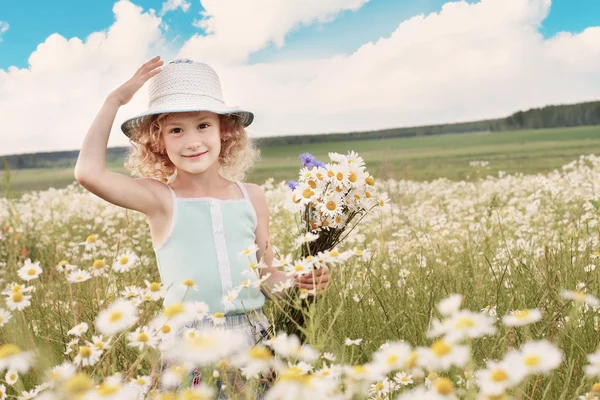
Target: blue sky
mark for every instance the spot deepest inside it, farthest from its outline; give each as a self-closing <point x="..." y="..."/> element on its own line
<point x="33" y="23"/>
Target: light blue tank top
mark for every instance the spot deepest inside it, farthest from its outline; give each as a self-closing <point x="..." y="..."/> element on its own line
<point x="204" y="244"/>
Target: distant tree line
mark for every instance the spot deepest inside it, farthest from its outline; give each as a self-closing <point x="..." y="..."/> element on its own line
<point x="555" y="116"/>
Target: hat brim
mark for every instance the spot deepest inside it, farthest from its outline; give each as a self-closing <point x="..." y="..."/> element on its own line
<point x="133" y="124"/>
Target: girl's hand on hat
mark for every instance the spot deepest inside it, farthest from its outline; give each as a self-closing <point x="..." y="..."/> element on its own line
<point x="316" y="281"/>
<point x="124" y="93"/>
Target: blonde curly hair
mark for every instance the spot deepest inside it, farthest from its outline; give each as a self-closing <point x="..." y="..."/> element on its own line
<point x="148" y="157"/>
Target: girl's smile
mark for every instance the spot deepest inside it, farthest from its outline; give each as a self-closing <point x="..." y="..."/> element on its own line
<point x="196" y="156"/>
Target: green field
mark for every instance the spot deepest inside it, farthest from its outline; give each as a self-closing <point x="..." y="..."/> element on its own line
<point x="417" y="158"/>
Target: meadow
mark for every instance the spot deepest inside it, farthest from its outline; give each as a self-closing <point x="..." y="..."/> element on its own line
<point x="476" y="280"/>
<point x="419" y="158"/>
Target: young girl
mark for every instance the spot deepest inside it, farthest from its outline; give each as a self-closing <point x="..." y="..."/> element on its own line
<point x="192" y="151"/>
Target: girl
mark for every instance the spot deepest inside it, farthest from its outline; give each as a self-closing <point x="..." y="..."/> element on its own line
<point x="191" y="151"/>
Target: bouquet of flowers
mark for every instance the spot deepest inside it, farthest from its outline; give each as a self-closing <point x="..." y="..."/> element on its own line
<point x="329" y="200"/>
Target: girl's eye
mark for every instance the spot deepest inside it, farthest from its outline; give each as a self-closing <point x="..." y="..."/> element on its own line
<point x="175" y="130"/>
<point x="202" y="126"/>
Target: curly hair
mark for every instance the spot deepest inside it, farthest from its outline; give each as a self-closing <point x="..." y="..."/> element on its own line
<point x="148" y="157"/>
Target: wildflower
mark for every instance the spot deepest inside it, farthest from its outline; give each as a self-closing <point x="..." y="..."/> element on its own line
<point x="442" y="354"/>
<point x="252" y="249"/>
<point x="581" y="297"/>
<point x="352" y="342"/>
<point x="290" y="347"/>
<point x="5" y="316"/>
<point x="18" y="301"/>
<point x="12" y="357"/>
<point x="154" y="291"/>
<point x="539" y="357"/>
<point x="306" y="238"/>
<point x="119" y="316"/>
<point x="98" y="267"/>
<point x="393" y="356"/>
<point x="87" y="355"/>
<point x="292" y="184"/>
<point x="254" y="360"/>
<point x="61" y="372"/>
<point x="11" y="376"/>
<point x="218" y="318"/>
<point x="142" y="337"/>
<point x="207" y="347"/>
<point x="463" y="324"/>
<point x="328" y="356"/>
<point x="125" y="262"/>
<point x="100" y="343"/>
<point x="522" y="317"/>
<point x="403" y="379"/>
<point x="593" y="369"/>
<point x="450" y="305"/>
<point x="497" y="377"/>
<point x="78" y="329"/>
<point x="189" y="284"/>
<point x="29" y="270"/>
<point x="78" y="276"/>
<point x="143" y="382"/>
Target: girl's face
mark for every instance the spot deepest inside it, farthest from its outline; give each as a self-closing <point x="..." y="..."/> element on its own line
<point x="192" y="140"/>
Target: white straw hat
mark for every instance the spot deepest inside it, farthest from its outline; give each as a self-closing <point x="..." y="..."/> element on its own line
<point x="182" y="86"/>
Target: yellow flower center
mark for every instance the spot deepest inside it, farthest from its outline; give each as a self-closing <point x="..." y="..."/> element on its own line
<point x="379" y="386"/>
<point x="115" y="316"/>
<point x="219" y="315"/>
<point x="330" y="173"/>
<point x="260" y="352"/>
<point x="307" y="193"/>
<point x="107" y="390"/>
<point x="140" y="381"/>
<point x="411" y="361"/>
<point x="142" y="337"/>
<point x="99" y="264"/>
<point x="99" y="345"/>
<point x="368" y="195"/>
<point x="391" y="360"/>
<point x="522" y="314"/>
<point x="432" y="376"/>
<point x="295" y="374"/>
<point x="532" y="360"/>
<point x="312" y="184"/>
<point x="188" y="283"/>
<point x="596" y="387"/>
<point x="85" y="351"/>
<point x="154" y="287"/>
<point x="381" y="203"/>
<point x="79" y="383"/>
<point x="298" y="267"/>
<point x="370" y="180"/>
<point x="165" y="329"/>
<point x="339" y="176"/>
<point x="62" y="263"/>
<point x="173" y="310"/>
<point x="91" y="239"/>
<point x="334" y="253"/>
<point x="331" y="206"/>
<point x="498" y="375"/>
<point x="123" y="260"/>
<point x="17" y="297"/>
<point x="319" y="176"/>
<point x="12" y="377"/>
<point x="360" y="369"/>
<point x="203" y="342"/>
<point x="465" y="323"/>
<point x="17" y="288"/>
<point x="8" y="350"/>
<point x="440" y="348"/>
<point x="352" y="177"/>
<point x="444" y="386"/>
<point x="31" y="271"/>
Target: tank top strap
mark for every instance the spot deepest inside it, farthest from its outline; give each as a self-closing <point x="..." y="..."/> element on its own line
<point x="243" y="189"/>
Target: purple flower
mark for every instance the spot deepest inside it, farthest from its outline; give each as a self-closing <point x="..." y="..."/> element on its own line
<point x="292" y="184"/>
<point x="307" y="158"/>
<point x="317" y="164"/>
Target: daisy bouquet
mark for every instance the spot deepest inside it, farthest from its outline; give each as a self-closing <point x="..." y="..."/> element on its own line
<point x="329" y="200"/>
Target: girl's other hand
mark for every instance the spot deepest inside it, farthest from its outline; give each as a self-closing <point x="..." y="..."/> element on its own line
<point x="317" y="280"/>
<point x="125" y="92"/>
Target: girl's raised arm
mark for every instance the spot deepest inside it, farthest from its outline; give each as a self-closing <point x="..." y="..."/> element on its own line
<point x="90" y="169"/>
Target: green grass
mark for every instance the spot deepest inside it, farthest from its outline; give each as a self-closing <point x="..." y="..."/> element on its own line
<point x="417" y="158"/>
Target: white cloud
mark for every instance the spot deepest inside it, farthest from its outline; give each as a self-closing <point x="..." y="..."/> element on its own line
<point x="172" y="5"/>
<point x="466" y="62"/>
<point x="236" y="28"/>
<point x="3" y="28"/>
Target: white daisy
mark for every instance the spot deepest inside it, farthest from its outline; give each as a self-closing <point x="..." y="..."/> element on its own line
<point x="11" y="376"/>
<point x="12" y="357"/>
<point x="30" y="270"/>
<point x="142" y="337"/>
<point x="78" y="329"/>
<point x="125" y="262"/>
<point x="5" y="316"/>
<point x="87" y="355"/>
<point x="18" y="301"/>
<point x="78" y="276"/>
<point x="522" y="317"/>
<point x="62" y="372"/>
<point x="119" y="316"/>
